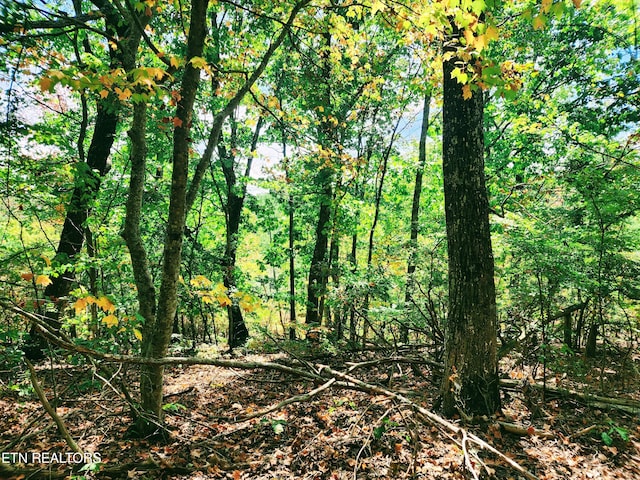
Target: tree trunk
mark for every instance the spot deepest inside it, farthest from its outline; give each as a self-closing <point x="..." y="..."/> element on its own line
<point x="470" y="382"/>
<point x="131" y="233"/>
<point x="236" y="194"/>
<point x="415" y="214"/>
<point x="318" y="271"/>
<point x="89" y="174"/>
<point x="292" y="258"/>
<point x="156" y="343"/>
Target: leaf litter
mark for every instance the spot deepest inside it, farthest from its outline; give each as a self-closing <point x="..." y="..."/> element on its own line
<point x="336" y="434"/>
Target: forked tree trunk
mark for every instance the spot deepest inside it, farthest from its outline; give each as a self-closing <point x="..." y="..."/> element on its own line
<point x="470" y="383"/>
<point x="89" y="174"/>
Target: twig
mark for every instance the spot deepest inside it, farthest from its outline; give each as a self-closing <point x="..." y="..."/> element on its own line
<point x="582" y="432"/>
<point x="525" y="431"/>
<point x="624" y="404"/>
<point x="367" y="442"/>
<point x="465" y="452"/>
<point x="295" y="399"/>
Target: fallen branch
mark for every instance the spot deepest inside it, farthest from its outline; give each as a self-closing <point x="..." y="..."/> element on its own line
<point x="522" y="431"/>
<point x="295" y="399"/>
<point x="624" y="404"/>
<point x="50" y="410"/>
<point x="431" y="417"/>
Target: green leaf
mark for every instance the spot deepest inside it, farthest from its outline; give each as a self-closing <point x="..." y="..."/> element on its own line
<point x="624" y="435"/>
<point x="606" y="438"/>
<point x="378" y="432"/>
<point x="173" y="407"/>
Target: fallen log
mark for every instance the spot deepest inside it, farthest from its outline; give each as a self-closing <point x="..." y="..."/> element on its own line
<point x="627" y="405"/>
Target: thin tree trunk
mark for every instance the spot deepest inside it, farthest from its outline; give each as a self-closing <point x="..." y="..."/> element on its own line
<point x="131" y="233"/>
<point x="292" y="258"/>
<point x="415" y="214"/>
<point x="236" y="194"/>
<point x="470" y="383"/>
<point x="156" y="343"/>
<point x="374" y="224"/>
<point x="318" y="271"/>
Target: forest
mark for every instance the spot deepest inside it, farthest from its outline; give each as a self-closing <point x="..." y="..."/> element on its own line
<point x="319" y="239"/>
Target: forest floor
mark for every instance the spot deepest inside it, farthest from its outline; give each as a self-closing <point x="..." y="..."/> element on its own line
<point x="336" y="434"/>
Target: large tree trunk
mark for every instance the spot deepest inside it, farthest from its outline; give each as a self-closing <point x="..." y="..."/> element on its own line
<point x="319" y="267"/>
<point x="470" y="382"/>
<point x="156" y="343"/>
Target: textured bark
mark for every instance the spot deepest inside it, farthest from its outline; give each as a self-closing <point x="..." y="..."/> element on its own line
<point x="470" y="382"/>
<point x="97" y="165"/>
<point x="131" y="233"/>
<point x="319" y="267"/>
<point x="156" y="342"/>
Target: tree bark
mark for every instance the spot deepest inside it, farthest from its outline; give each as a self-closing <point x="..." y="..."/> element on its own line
<point x="318" y="271"/>
<point x="470" y="384"/>
<point x="131" y="233"/>
<point x="319" y="268"/>
<point x="155" y="344"/>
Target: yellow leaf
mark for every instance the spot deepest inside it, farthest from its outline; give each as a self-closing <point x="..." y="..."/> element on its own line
<point x="539" y="22"/>
<point x="273" y="102"/>
<point x="123" y="94"/>
<point x="46" y="260"/>
<point x="105" y="304"/>
<point x="466" y="92"/>
<point x="198" y="62"/>
<point x="207" y="298"/>
<point x="46" y="84"/>
<point x="491" y="33"/>
<point x="200" y="281"/>
<point x="546" y="5"/>
<point x="80" y="305"/>
<point x="104" y="93"/>
<point x="174" y="62"/>
<point x="377" y="6"/>
<point x="137" y="333"/>
<point x="43" y="280"/>
<point x="110" y="320"/>
<point x="468" y="36"/>
<point x="223" y="300"/>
